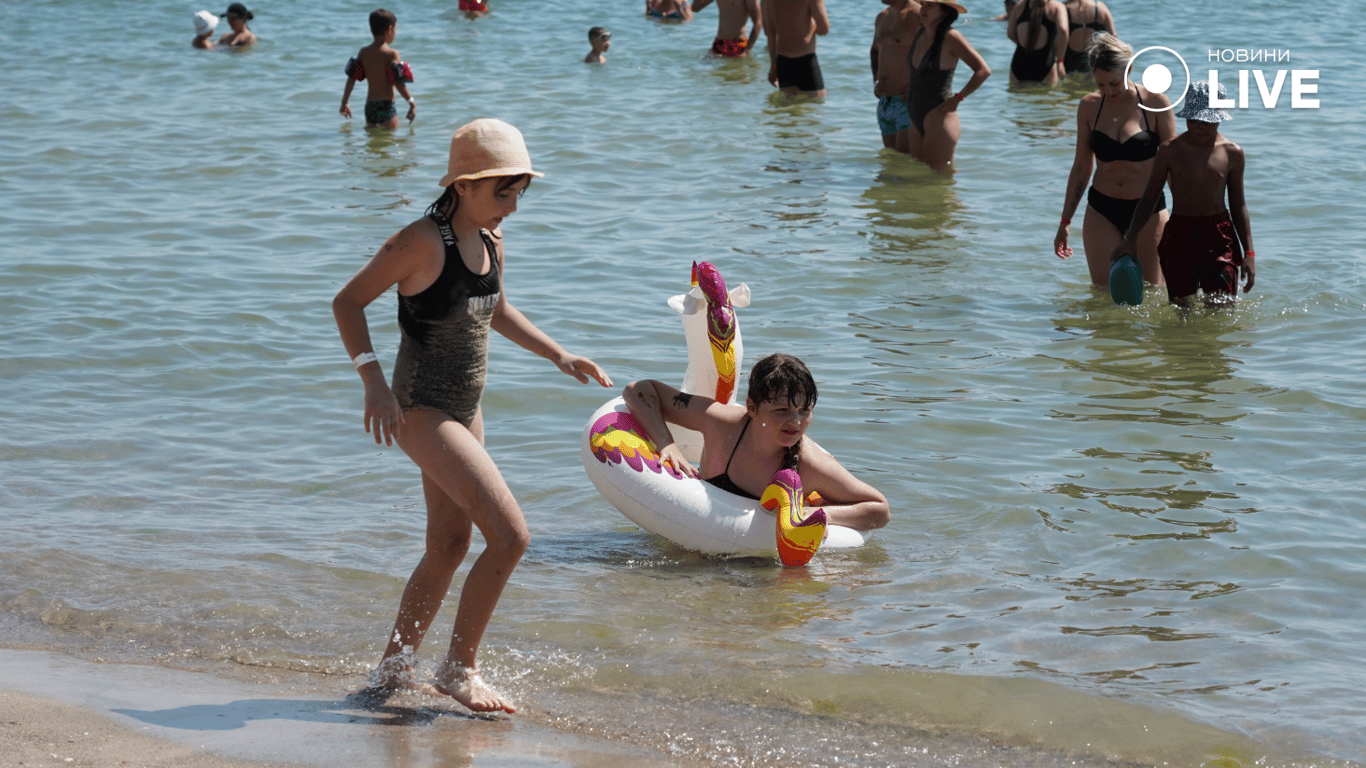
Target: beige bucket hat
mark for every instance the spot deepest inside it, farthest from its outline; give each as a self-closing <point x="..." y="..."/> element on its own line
<point x="484" y="148"/>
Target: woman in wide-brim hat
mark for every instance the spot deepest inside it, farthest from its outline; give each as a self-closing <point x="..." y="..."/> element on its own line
<point x="448" y="267"/>
<point x="933" y="106"/>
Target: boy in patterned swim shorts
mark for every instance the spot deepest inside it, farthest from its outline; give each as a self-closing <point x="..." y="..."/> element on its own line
<point x="385" y="71"/>
<point x="1200" y="246"/>
<point x="731" y="40"/>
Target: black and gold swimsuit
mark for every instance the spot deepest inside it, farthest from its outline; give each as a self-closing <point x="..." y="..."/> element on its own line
<point x="443" y="355"/>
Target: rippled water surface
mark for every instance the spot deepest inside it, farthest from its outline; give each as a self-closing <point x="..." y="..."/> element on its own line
<point x="1118" y="533"/>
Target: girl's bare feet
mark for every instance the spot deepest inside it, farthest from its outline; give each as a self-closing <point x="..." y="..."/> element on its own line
<point x="466" y="686"/>
<point x="397" y="673"/>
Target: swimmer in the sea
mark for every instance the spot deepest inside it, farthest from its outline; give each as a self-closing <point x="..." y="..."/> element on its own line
<point x="744" y="446"/>
<point x="204" y="25"/>
<point x="240" y="37"/>
<point x="600" y="39"/>
<point x="791" y="27"/>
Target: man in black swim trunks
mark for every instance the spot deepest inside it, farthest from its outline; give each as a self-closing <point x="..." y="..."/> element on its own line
<point x="791" y="27"/>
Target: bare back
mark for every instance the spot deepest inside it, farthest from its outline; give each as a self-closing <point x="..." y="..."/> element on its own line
<point x="376" y="59"/>
<point x="795" y="25"/>
<point x="732" y="17"/>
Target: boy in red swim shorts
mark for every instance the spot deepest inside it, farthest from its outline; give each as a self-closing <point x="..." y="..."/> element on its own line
<point x="731" y="40"/>
<point x="1200" y="246"/>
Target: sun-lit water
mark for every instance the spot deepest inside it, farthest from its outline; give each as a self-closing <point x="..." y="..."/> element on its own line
<point x="1117" y="533"/>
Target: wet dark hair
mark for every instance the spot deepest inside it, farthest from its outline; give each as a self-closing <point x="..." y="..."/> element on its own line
<point x="381" y="20"/>
<point x="596" y="32"/>
<point x="781" y="378"/>
<point x="449" y="195"/>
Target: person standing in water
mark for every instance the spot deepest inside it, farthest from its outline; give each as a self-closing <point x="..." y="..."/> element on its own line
<point x="930" y="100"/>
<point x="893" y="31"/>
<point x="791" y="27"/>
<point x="1200" y="248"/>
<point x="1037" y="27"/>
<point x="1119" y="128"/>
<point x="449" y="267"/>
<point x="386" y="73"/>
<point x="731" y="40"/>
<point x="1084" y="19"/>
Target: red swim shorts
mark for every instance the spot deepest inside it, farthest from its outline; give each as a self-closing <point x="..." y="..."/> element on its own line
<point x="473" y="6"/>
<point x="1200" y="252"/>
<point x="731" y="48"/>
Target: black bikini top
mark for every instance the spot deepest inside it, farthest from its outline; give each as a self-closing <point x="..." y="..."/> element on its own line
<point x="1137" y="148"/>
<point x="723" y="480"/>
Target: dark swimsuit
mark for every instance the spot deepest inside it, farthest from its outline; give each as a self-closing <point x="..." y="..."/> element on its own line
<point x="1033" y="66"/>
<point x="800" y="72"/>
<point x="1137" y="148"/>
<point x="723" y="480"/>
<point x="443" y="355"/>
<point x="930" y="86"/>
<point x="1079" y="61"/>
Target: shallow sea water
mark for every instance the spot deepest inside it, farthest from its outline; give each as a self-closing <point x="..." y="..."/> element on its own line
<point x="1119" y="533"/>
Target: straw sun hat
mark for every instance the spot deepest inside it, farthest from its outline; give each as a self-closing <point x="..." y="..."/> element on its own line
<point x="484" y="148"/>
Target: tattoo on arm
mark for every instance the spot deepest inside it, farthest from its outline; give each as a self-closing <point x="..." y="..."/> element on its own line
<point x="682" y="400"/>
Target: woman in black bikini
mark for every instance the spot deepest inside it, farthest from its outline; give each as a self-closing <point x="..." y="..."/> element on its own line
<point x="1039" y="46"/>
<point x="1080" y="31"/>
<point x="744" y="446"/>
<point x="1120" y="137"/>
<point x="933" y="106"/>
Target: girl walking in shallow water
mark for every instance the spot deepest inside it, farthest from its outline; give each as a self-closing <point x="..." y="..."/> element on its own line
<point x="449" y="269"/>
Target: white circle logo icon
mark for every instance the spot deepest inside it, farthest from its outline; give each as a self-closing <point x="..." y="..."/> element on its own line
<point x="1157" y="77"/>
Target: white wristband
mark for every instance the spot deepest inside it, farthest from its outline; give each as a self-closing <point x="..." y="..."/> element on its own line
<point x="365" y="357"/>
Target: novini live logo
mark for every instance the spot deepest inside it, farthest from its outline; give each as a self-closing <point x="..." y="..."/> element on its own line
<point x="1157" y="77"/>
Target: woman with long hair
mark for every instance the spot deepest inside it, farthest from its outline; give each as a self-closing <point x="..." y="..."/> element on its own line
<point x="1084" y="19"/>
<point x="933" y="106"/>
<point x="1034" y="26"/>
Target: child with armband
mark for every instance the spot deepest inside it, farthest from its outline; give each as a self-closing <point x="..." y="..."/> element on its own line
<point x="387" y="72"/>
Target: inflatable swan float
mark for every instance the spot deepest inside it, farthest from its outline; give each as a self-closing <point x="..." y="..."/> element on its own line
<point x="624" y="464"/>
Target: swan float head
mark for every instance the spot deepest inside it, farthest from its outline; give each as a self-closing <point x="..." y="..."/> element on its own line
<point x="712" y="330"/>
<point x="798" y="537"/>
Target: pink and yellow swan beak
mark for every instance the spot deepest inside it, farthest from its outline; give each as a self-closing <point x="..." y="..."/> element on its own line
<point x="720" y="326"/>
<point x="798" y="539"/>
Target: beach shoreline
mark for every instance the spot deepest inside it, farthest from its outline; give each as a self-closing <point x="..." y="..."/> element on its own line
<point x="57" y="709"/>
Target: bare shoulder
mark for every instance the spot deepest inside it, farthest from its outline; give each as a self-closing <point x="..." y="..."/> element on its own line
<point x="1236" y="156"/>
<point x="419" y="236"/>
<point x="815" y="457"/>
<point x="1156" y="100"/>
<point x="1089" y="107"/>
